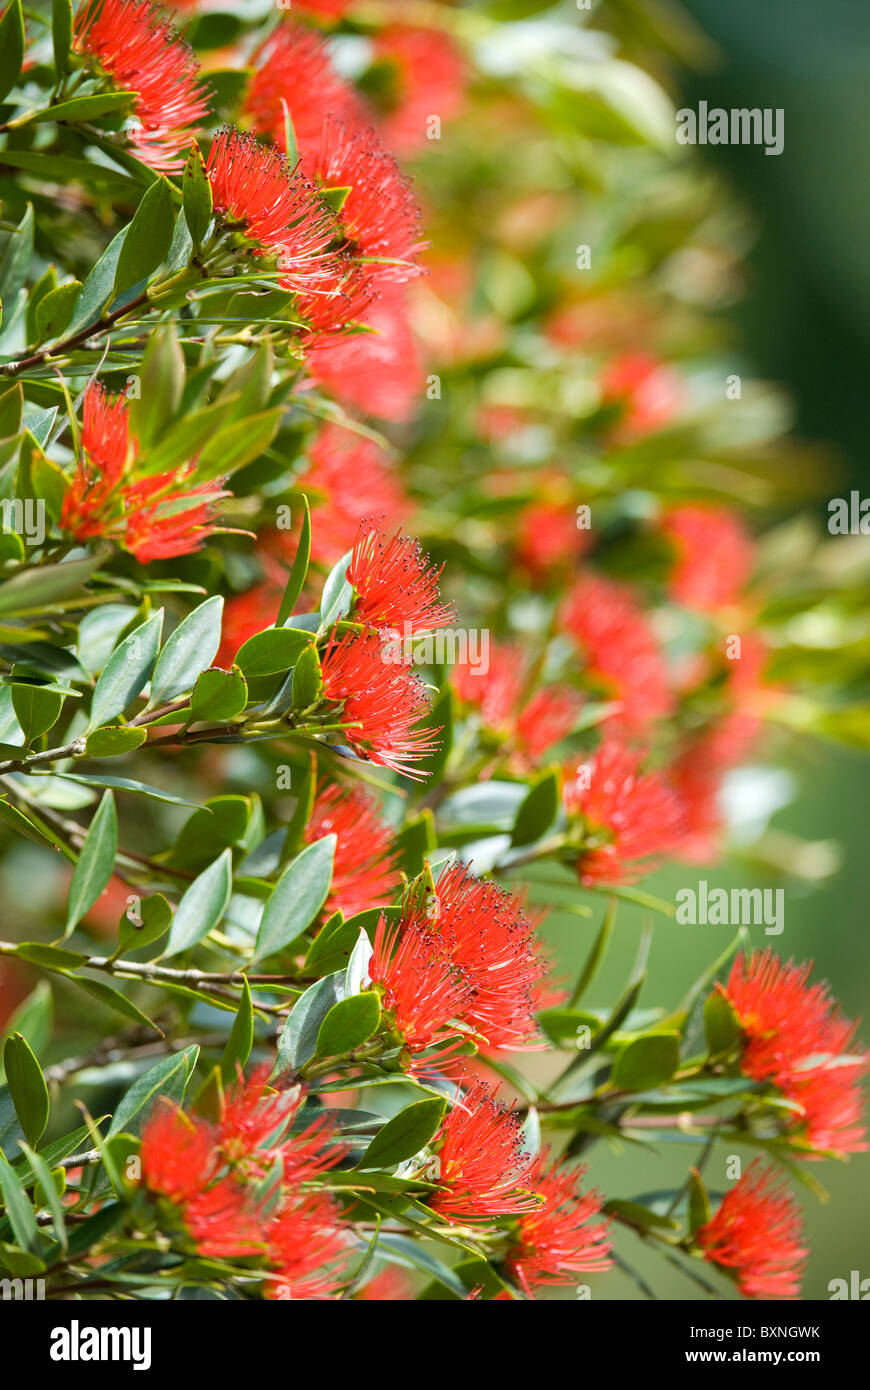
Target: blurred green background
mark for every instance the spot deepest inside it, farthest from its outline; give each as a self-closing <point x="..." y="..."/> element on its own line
<point x="805" y="323"/>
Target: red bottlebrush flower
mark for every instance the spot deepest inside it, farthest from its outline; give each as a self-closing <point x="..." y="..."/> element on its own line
<point x="163" y="521"/>
<point x="756" y="1232"/>
<point x="559" y="1240"/>
<point x="696" y="777"/>
<point x="548" y="539"/>
<point x="549" y="717"/>
<point x="389" y="1285"/>
<point x="620" y="650"/>
<point x="258" y="192"/>
<point x="797" y="1037"/>
<point x="364" y="873"/>
<point x="377" y="373"/>
<point x="107" y="449"/>
<point x="294" y="66"/>
<point x="428" y="80"/>
<point x="153" y="516"/>
<point x="714" y="556"/>
<point x="330" y="9"/>
<point x="491" y="941"/>
<point x="395" y="585"/>
<point x="630" y="815"/>
<point x="484" y="1168"/>
<point x="223" y="1222"/>
<point x="253" y="1119"/>
<point x="307" y="1244"/>
<point x="380" y="704"/>
<point x="356" y="480"/>
<point x="497" y="692"/>
<point x="832" y="1105"/>
<point x="786" y="1020"/>
<point x="179" y="1153"/>
<point x="380" y="216"/>
<point x="421" y="988"/>
<point x="649" y="392"/>
<point x="141" y="52"/>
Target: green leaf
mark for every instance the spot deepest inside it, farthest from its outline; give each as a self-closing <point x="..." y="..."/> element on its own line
<point x="11" y="47"/>
<point x="646" y="1062"/>
<point x="299" y="571"/>
<point x="307" y="679"/>
<point x="218" y="695"/>
<point x="299" y="1037"/>
<point x="161" y="388"/>
<point x="539" y="809"/>
<point x="331" y="948"/>
<point x="22" y="825"/>
<point x="27" y="1087"/>
<point x="21" y="1215"/>
<point x="189" y="651"/>
<point x="196" y="197"/>
<point x="83" y="109"/>
<point x="415" y="841"/>
<point x="56" y="309"/>
<point x="112" y="998"/>
<point x="42" y="1173"/>
<point x="721" y="1024"/>
<point x="405" y="1134"/>
<point x="61" y="34"/>
<point x="39" y="588"/>
<point x="337" y="598"/>
<point x="17" y="249"/>
<point x="50" y="957"/>
<point x="113" y="740"/>
<point x="34" y="1016"/>
<point x="97" y="288"/>
<point x="349" y="1024"/>
<point x="241" y="1039"/>
<point x="36" y="709"/>
<point x="168" y="1077"/>
<point x="148" y="238"/>
<point x="237" y="444"/>
<point x="297" y="897"/>
<point x="126" y="672"/>
<point x="153" y="916"/>
<point x="699" y="1202"/>
<point x="95" y="862"/>
<point x="202" y="906"/>
<point x="269" y="652"/>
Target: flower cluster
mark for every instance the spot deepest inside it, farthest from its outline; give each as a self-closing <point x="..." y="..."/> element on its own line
<point x="111" y="495"/>
<point x="242" y="1186"/>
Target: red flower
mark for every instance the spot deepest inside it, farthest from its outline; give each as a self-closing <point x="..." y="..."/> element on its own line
<point x="364" y="871"/>
<point x="224" y="1222"/>
<point x="356" y="480"/>
<point x="648" y="391"/>
<point x="332" y="9"/>
<point x="756" y="1232"/>
<point x="796" y="1036"/>
<point x="294" y="66"/>
<point x="257" y="191"/>
<point x="714" y="556"/>
<point x="163" y="521"/>
<point x="152" y="516"/>
<point x="547" y="718"/>
<point x="380" y="704"/>
<point x="380" y="216"/>
<point x="253" y="1119"/>
<point x="179" y="1154"/>
<point x="548" y="538"/>
<point x="422" y="990"/>
<point x="483" y="1167"/>
<point x="629" y="814"/>
<point x="306" y="1244"/>
<point x="428" y="80"/>
<point x="376" y="373"/>
<point x="142" y="52"/>
<point x="620" y="650"/>
<point x="558" y="1240"/>
<point x="491" y="941"/>
<point x="395" y="585"/>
